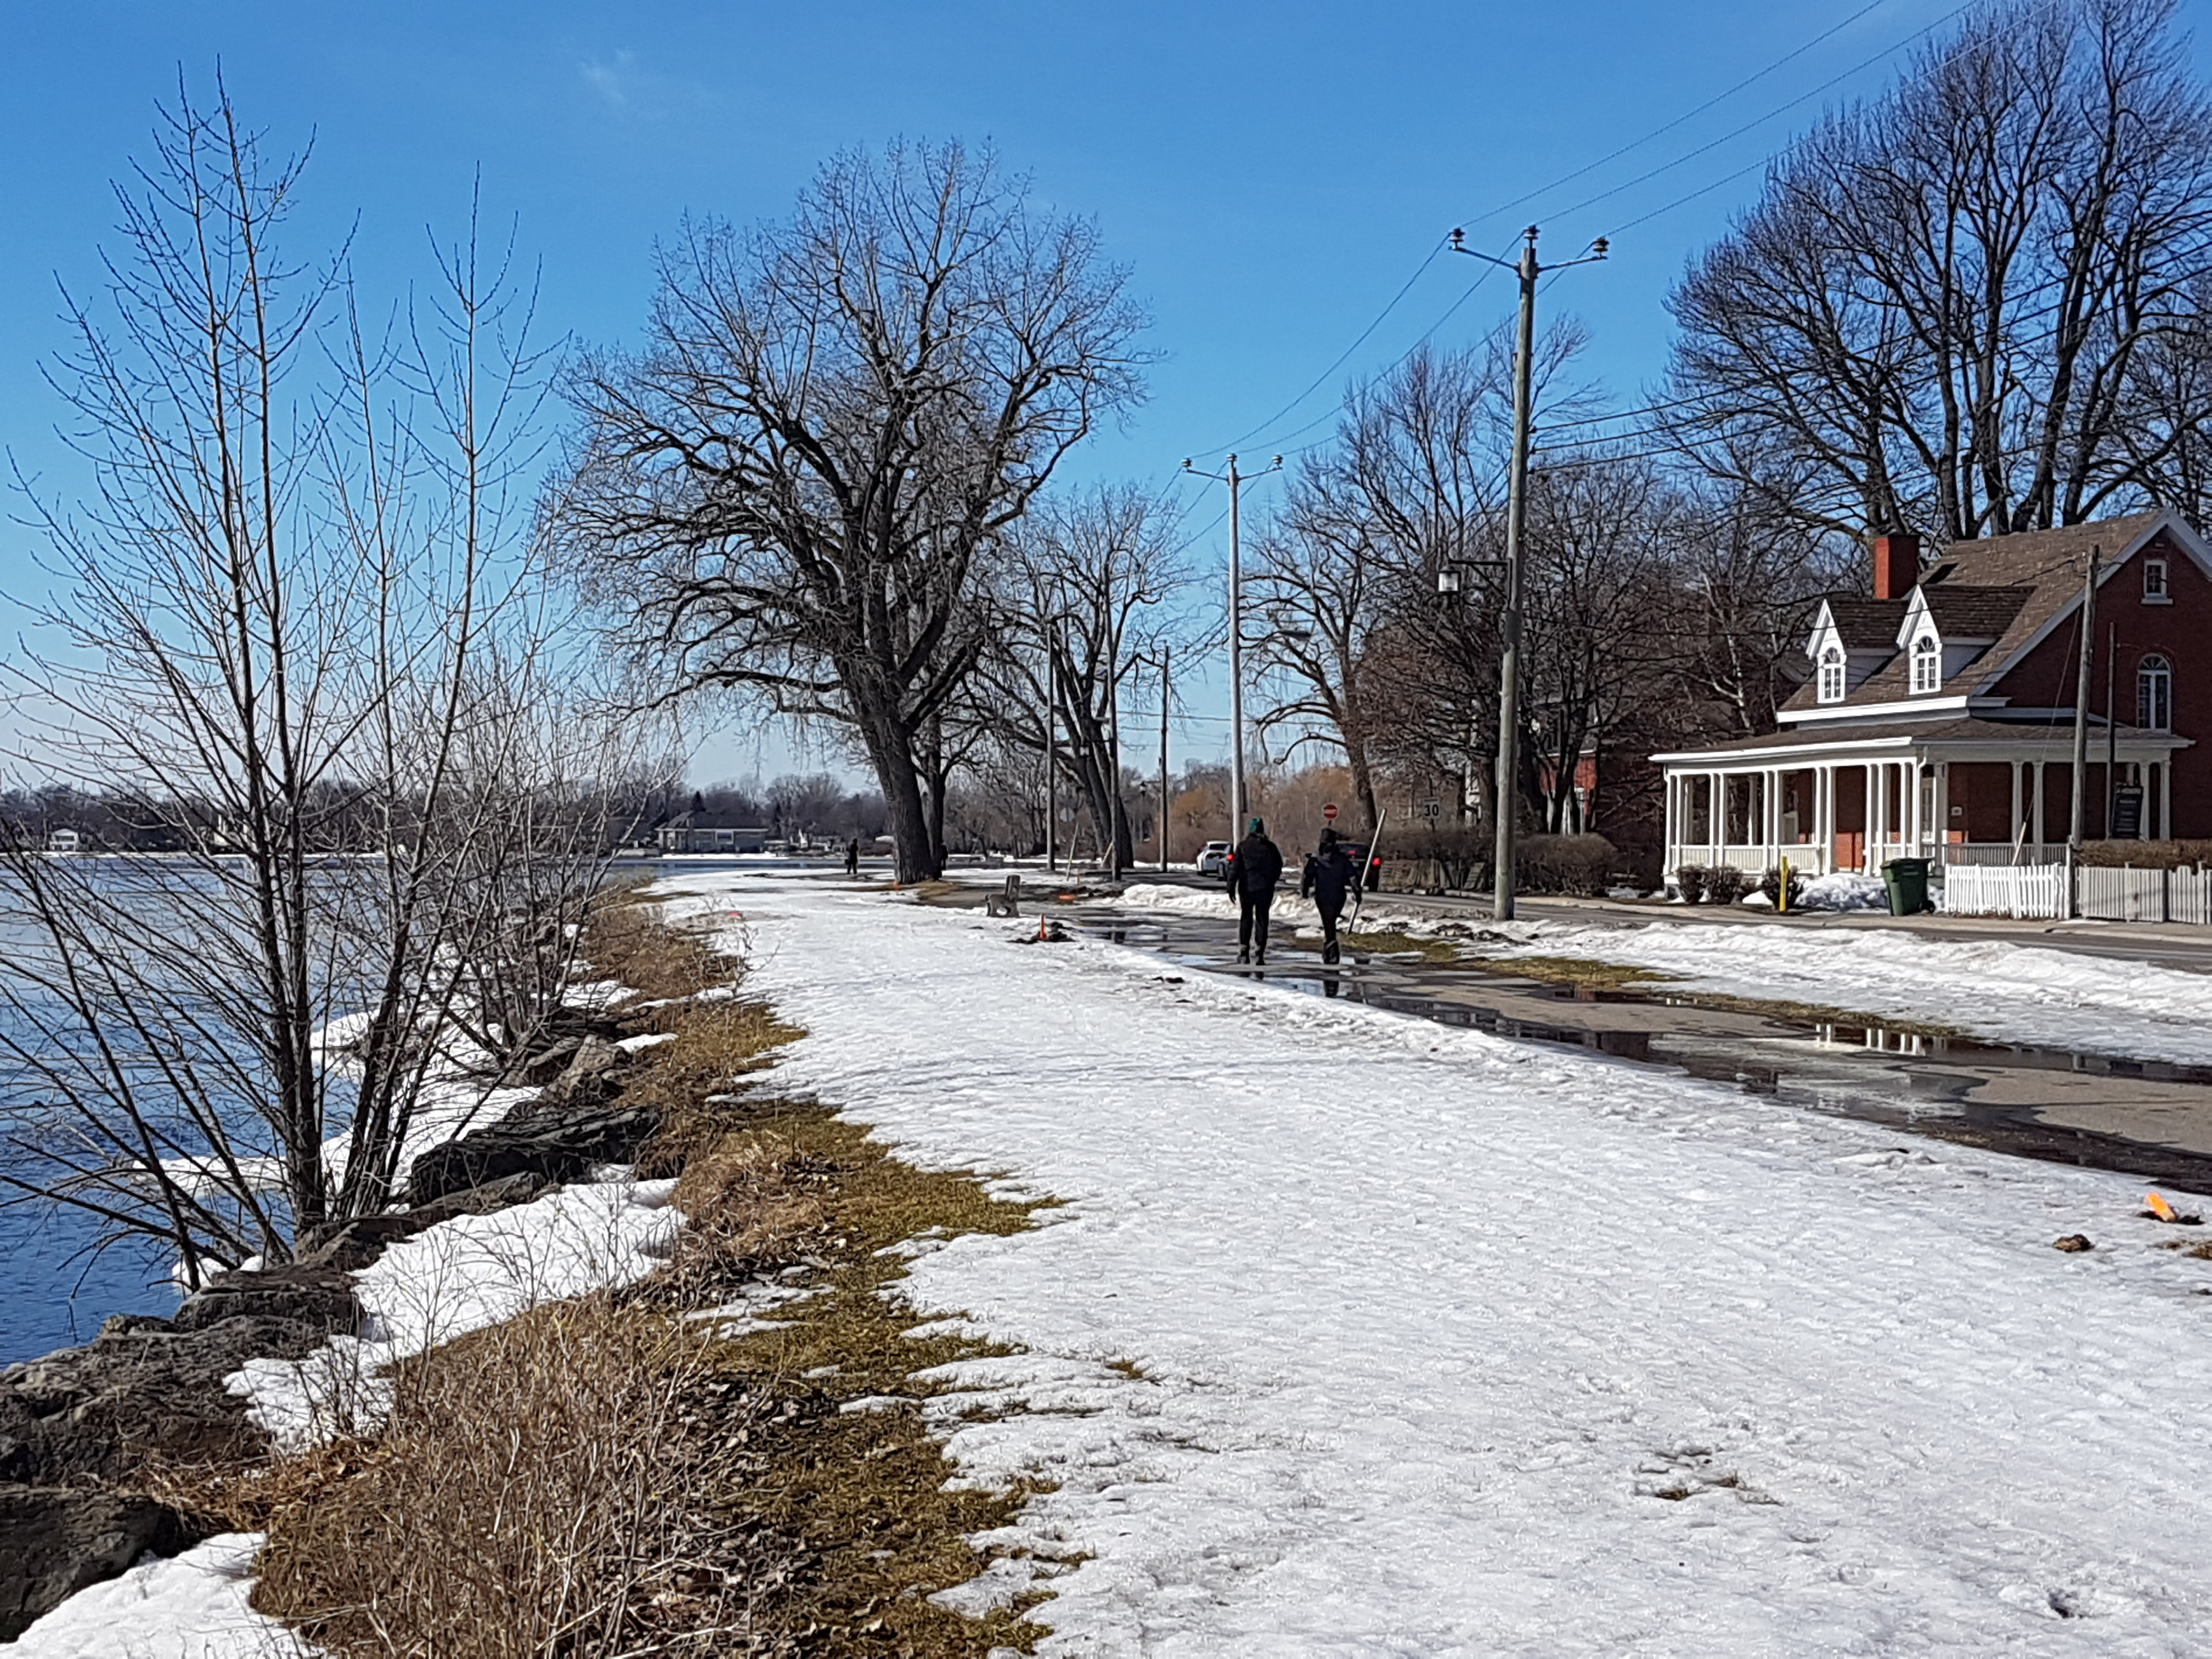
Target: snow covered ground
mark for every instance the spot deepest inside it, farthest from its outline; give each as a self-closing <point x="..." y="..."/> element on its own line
<point x="1445" y="1345"/>
<point x="1995" y="990"/>
<point x="2004" y="993"/>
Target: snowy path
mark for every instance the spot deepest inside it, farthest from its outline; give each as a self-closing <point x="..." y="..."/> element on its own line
<point x="2005" y="993"/>
<point x="1991" y="988"/>
<point x="1429" y="1323"/>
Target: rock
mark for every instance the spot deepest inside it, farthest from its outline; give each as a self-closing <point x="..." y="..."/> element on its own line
<point x="541" y="1068"/>
<point x="95" y="1412"/>
<point x="2073" y="1243"/>
<point x="302" y="1292"/>
<point x="55" y="1542"/>
<point x="350" y="1246"/>
<point x="520" y="1188"/>
<point x="588" y="1077"/>
<point x="557" y="1145"/>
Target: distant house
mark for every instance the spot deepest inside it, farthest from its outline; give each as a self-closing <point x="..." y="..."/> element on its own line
<point x="710" y="832"/>
<point x="1939" y="720"/>
<point x="65" y="841"/>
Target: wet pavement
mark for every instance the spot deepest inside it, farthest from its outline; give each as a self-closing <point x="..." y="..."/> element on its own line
<point x="2146" y="1118"/>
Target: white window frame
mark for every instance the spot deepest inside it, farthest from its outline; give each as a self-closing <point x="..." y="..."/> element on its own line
<point x="2154" y="693"/>
<point x="1927" y="664"/>
<point x="1832" y="675"/>
<point x="2155" y="591"/>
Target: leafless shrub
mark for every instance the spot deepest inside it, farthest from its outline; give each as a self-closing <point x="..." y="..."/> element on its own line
<point x="525" y="1498"/>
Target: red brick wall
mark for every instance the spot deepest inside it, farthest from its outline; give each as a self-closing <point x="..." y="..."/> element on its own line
<point x="2045" y="678"/>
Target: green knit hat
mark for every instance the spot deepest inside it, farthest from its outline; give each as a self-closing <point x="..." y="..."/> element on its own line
<point x="1255" y="828"/>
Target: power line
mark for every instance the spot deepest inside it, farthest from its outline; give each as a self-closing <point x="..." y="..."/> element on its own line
<point x="1406" y="288"/>
<point x="1738" y="132"/>
<point x="1690" y="115"/>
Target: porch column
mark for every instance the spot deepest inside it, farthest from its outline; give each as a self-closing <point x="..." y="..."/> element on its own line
<point x="1823" y="828"/>
<point x="1716" y="815"/>
<point x="2019" y="829"/>
<point x="1771" y="798"/>
<point x="2038" y="810"/>
<point x="1868" y="817"/>
<point x="1942" y="812"/>
<point x="2166" y="797"/>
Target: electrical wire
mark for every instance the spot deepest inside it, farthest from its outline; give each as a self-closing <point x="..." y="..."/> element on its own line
<point x="1690" y="115"/>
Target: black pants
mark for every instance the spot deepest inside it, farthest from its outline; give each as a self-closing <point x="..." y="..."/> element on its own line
<point x="1328" y="920"/>
<point x="1252" y="921"/>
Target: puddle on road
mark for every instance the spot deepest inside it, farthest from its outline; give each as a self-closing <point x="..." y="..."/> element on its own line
<point x="1905" y="1079"/>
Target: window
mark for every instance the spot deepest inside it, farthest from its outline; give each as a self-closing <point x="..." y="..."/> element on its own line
<point x="2155" y="695"/>
<point x="2155" y="582"/>
<point x="1831" y="675"/>
<point x="1927" y="663"/>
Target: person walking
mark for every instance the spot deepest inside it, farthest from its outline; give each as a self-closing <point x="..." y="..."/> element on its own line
<point x="1254" y="869"/>
<point x="1328" y="880"/>
<point x="853" y="856"/>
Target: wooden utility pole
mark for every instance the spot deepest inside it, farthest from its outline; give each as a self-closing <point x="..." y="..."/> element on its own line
<point x="1506" y="788"/>
<point x="1235" y="481"/>
<point x="2081" y="707"/>
<point x="1165" y="655"/>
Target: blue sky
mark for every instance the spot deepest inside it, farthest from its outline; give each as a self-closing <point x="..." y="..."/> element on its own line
<point x="1272" y="174"/>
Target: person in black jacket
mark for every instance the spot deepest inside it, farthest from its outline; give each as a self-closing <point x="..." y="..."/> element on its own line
<point x="1254" y="869"/>
<point x="1328" y="878"/>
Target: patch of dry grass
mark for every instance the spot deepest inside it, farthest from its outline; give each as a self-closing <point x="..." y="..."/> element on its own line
<point x="1583" y="972"/>
<point x="523" y="1500"/>
<point x="627" y="939"/>
<point x="608" y="1476"/>
<point x="1390" y="942"/>
<point x="860" y="1497"/>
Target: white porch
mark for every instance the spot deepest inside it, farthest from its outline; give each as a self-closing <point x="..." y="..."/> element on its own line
<point x="1997" y="797"/>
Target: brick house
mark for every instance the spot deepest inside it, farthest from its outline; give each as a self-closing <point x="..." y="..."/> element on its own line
<point x="1939" y="718"/>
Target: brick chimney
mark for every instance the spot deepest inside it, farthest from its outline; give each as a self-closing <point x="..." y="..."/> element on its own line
<point x="1896" y="564"/>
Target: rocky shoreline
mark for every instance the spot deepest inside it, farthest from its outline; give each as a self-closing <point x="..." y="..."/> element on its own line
<point x="86" y="1432"/>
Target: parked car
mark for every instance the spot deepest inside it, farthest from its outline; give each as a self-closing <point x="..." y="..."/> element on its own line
<point x="1214" y="858"/>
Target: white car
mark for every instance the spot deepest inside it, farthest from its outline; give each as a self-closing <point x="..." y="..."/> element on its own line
<point x="1213" y="860"/>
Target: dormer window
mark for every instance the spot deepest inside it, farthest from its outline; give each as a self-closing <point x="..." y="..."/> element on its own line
<point x="1831" y="675"/>
<point x="2154" y="583"/>
<point x="1927" y="664"/>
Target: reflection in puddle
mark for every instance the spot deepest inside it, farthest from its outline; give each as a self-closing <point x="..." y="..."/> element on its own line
<point x="1908" y="1080"/>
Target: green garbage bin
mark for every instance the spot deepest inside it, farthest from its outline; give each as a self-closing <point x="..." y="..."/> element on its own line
<point x="1907" y="882"/>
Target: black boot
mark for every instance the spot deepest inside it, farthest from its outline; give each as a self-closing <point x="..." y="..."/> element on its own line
<point x="1244" y="956"/>
<point x="1329" y="951"/>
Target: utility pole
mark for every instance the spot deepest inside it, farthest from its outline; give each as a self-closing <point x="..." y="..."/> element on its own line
<point x="1116" y="812"/>
<point x="1506" y="790"/>
<point x="2081" y="709"/>
<point x="1051" y="753"/>
<point x="1235" y="481"/>
<point x="1164" y="654"/>
<point x="2112" y="726"/>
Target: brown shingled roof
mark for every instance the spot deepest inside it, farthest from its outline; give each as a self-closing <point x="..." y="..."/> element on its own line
<point x="2050" y="562"/>
<point x="1962" y="612"/>
<point x="1867" y="624"/>
<point x="2005" y="586"/>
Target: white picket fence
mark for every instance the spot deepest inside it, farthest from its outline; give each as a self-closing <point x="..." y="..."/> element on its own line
<point x="2038" y="891"/>
<point x="2130" y="895"/>
<point x="2022" y="891"/>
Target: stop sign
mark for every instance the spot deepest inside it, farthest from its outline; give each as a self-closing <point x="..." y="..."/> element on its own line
<point x="1329" y="812"/>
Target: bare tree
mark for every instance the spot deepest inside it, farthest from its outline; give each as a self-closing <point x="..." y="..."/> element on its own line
<point x="1949" y="306"/>
<point x="279" y="627"/>
<point x="788" y="492"/>
<point x="1087" y="596"/>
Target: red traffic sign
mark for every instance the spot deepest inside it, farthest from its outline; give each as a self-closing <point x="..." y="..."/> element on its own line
<point x="1329" y="812"/>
